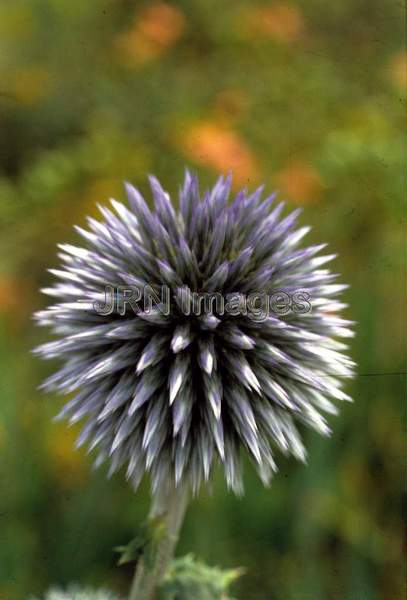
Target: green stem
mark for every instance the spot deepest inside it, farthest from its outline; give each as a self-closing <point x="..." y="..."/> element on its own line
<point x="171" y="506"/>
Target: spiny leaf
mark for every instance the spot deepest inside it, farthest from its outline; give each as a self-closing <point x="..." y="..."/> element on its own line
<point x="188" y="579"/>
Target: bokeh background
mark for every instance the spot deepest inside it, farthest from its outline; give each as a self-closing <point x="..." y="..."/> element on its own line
<point x="308" y="96"/>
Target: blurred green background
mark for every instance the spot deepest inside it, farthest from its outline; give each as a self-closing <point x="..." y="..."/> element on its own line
<point x="308" y="96"/>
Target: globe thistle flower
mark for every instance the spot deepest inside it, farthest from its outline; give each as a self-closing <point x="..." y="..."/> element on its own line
<point x="75" y="592"/>
<point x="173" y="392"/>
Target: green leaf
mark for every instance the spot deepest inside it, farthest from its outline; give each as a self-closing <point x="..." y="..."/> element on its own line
<point x="144" y="543"/>
<point x="187" y="578"/>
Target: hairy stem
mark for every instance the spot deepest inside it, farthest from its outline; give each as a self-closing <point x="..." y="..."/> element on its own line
<point x="170" y="506"/>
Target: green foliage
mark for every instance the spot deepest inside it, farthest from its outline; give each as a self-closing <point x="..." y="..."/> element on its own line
<point x="189" y="579"/>
<point x="186" y="579"/>
<point x="144" y="544"/>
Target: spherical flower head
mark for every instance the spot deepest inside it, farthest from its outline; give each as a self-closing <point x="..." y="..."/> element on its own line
<point x="74" y="592"/>
<point x="190" y="335"/>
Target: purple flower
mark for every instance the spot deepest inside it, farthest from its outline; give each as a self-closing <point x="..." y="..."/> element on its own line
<point x="237" y="348"/>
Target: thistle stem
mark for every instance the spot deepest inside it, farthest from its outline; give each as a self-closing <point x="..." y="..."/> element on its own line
<point x="171" y="507"/>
